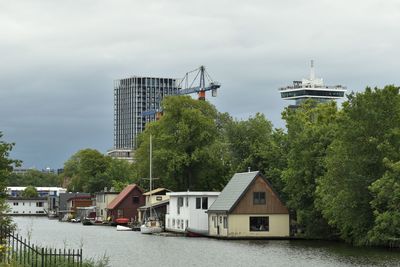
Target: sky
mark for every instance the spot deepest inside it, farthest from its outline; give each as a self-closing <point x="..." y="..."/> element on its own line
<point x="58" y="59"/>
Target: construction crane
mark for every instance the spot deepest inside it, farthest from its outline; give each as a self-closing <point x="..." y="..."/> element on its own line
<point x="201" y="89"/>
<point x="197" y="85"/>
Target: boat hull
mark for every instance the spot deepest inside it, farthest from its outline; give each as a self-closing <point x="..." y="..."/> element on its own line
<point x="196" y="233"/>
<point x="123" y="228"/>
<point x="150" y="230"/>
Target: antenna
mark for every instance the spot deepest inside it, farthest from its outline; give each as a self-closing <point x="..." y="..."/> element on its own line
<point x="312" y="72"/>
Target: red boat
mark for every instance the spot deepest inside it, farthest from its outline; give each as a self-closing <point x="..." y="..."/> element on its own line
<point x="121" y="221"/>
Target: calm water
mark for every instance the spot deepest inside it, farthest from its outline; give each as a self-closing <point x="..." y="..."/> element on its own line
<point x="135" y="249"/>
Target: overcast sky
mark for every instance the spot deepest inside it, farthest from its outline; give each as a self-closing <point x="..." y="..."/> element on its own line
<point x="59" y="59"/>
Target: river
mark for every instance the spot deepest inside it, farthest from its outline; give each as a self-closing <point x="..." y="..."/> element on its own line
<point x="135" y="249"/>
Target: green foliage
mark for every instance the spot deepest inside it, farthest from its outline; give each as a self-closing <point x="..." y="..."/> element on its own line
<point x="6" y="166"/>
<point x="30" y="191"/>
<point x="90" y="171"/>
<point x="187" y="153"/>
<point x="311" y="129"/>
<point x="355" y="161"/>
<point x="34" y="178"/>
<point x="253" y="143"/>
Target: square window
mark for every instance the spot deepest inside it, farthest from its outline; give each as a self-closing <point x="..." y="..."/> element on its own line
<point x="135" y="199"/>
<point x="258" y="224"/>
<point x="259" y="198"/>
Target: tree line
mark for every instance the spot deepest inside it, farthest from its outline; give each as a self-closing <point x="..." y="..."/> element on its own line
<point x="336" y="169"/>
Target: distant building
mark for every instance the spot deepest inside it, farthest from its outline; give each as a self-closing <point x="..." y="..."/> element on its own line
<point x="248" y="207"/>
<point x="188" y="210"/>
<point x="312" y="88"/>
<point x="133" y="96"/>
<point x="63" y="208"/>
<point x="126" y="204"/>
<point x="29" y="206"/>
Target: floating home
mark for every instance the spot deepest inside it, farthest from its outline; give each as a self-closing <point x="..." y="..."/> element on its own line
<point x="103" y="199"/>
<point x="158" y="200"/>
<point x="248" y="207"/>
<point x="28" y="206"/>
<point x="188" y="210"/>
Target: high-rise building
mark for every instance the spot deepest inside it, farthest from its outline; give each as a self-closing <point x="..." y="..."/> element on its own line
<point x="312" y="88"/>
<point x="132" y="97"/>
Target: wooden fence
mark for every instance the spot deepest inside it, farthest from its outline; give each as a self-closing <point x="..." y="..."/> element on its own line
<point x="18" y="251"/>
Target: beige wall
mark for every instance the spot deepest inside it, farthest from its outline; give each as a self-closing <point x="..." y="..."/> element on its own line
<point x="101" y="205"/>
<point x="215" y="221"/>
<point x="238" y="226"/>
<point x="155" y="199"/>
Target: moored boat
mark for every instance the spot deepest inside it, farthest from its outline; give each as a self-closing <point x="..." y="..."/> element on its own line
<point x="123" y="228"/>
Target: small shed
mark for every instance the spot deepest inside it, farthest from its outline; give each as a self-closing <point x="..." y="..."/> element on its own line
<point x="127" y="202"/>
<point x="248" y="207"/>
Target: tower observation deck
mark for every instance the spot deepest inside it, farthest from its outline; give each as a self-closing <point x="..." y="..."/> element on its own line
<point x="312" y="88"/>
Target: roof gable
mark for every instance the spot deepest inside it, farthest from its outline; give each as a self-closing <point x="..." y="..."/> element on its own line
<point x="233" y="191"/>
<point x="121" y="196"/>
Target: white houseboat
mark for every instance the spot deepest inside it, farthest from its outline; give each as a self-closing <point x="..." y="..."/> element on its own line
<point x="187" y="210"/>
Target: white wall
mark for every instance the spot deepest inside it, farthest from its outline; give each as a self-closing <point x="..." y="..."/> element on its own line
<point x="27" y="207"/>
<point x="188" y="215"/>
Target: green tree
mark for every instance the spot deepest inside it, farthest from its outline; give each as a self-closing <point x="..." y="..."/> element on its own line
<point x="311" y="129"/>
<point x="6" y="166"/>
<point x="355" y="161"/>
<point x="254" y="143"/>
<point x="30" y="191"/>
<point x="187" y="152"/>
<point x="34" y="178"/>
<point x="85" y="171"/>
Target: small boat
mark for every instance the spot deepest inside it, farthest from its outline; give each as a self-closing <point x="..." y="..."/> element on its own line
<point x="151" y="225"/>
<point x="123" y="228"/>
<point x="190" y="232"/>
<point x="122" y="221"/>
<point x="87" y="221"/>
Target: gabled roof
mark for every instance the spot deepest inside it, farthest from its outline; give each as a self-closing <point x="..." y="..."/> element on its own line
<point x="124" y="194"/>
<point x="233" y="191"/>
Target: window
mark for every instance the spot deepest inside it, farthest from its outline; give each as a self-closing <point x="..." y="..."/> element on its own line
<point x="187" y="223"/>
<point x="204" y="203"/>
<point x="225" y="222"/>
<point x="15" y="203"/>
<point x="180" y="204"/>
<point x="158" y="198"/>
<point x="220" y="219"/>
<point x="135" y="199"/>
<point x="173" y="222"/>
<point x="178" y="224"/>
<point x="39" y="204"/>
<point x="198" y="203"/>
<point x="182" y="224"/>
<point x="214" y="218"/>
<point x="187" y="201"/>
<point x="258" y="198"/>
<point x="101" y="212"/>
<point x="259" y="224"/>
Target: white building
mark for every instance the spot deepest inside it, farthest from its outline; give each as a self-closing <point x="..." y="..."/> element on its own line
<point x="27" y="205"/>
<point x="188" y="210"/>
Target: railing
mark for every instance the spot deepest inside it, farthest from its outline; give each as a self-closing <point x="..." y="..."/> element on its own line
<point x="17" y="251"/>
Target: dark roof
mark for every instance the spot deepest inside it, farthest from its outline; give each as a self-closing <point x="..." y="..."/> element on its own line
<point x="233" y="191"/>
<point x="27" y="198"/>
<point x="124" y="194"/>
<point x="79" y="197"/>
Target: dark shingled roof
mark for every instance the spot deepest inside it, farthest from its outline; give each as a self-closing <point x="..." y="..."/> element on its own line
<point x="233" y="191"/>
<point x="116" y="201"/>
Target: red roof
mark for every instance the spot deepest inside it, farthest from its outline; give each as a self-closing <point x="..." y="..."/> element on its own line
<point x="79" y="197"/>
<point x="124" y="194"/>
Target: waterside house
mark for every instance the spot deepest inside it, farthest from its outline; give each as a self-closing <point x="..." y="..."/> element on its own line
<point x="126" y="204"/>
<point x="188" y="210"/>
<point x="103" y="199"/>
<point x="248" y="207"/>
<point x="28" y="206"/>
<point x="77" y="202"/>
<point x="158" y="200"/>
<point x="63" y="210"/>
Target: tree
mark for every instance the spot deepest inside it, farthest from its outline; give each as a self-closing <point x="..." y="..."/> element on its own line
<point x="254" y="143"/>
<point x="85" y="171"/>
<point x="350" y="193"/>
<point x="6" y="166"/>
<point x="311" y="129"/>
<point x="30" y="191"/>
<point x="34" y="178"/>
<point x="187" y="153"/>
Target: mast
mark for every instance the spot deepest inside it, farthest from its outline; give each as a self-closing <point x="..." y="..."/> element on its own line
<point x="151" y="185"/>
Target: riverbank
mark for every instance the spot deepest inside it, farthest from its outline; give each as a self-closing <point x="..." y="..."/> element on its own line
<point x="135" y="249"/>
